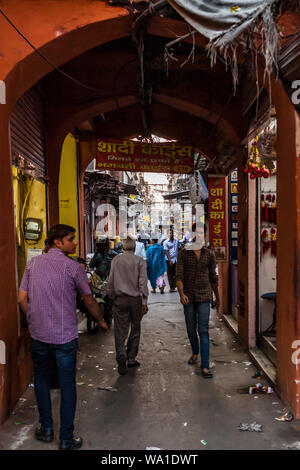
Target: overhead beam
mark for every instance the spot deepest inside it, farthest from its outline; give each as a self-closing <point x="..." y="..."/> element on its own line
<point x="74" y="115"/>
<point x="201" y="112"/>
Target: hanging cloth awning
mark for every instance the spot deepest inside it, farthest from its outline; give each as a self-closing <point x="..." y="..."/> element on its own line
<point x="224" y="21"/>
<point x="220" y="20"/>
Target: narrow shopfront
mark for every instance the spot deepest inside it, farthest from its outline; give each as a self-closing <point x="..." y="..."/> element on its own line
<point x="266" y="244"/>
<point x="29" y="170"/>
<point x="255" y="229"/>
<point x="28" y="152"/>
<point x="233" y="243"/>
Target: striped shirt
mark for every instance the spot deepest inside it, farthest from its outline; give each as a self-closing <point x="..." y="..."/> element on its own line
<point x="197" y="276"/>
<point x="52" y="281"/>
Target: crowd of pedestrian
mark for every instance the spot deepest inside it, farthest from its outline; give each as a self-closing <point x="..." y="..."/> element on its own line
<point x="52" y="282"/>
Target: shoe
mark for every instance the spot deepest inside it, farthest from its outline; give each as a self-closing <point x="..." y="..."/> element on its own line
<point x="162" y="290"/>
<point x="133" y="364"/>
<point x="193" y="360"/>
<point x="71" y="444"/>
<point x="122" y="369"/>
<point x="45" y="435"/>
<point x="206" y="375"/>
<point x="153" y="291"/>
<point x="172" y="290"/>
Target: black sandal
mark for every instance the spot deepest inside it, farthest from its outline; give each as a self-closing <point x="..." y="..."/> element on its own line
<point x="133" y="364"/>
<point x="206" y="375"/>
<point x="192" y="361"/>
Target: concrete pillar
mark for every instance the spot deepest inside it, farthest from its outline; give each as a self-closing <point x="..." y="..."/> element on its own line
<point x="288" y="250"/>
<point x="9" y="319"/>
<point x="86" y="153"/>
<point x="246" y="257"/>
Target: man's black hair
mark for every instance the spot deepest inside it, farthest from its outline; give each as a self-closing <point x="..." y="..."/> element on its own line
<point x="102" y="246"/>
<point x="103" y="242"/>
<point x="58" y="231"/>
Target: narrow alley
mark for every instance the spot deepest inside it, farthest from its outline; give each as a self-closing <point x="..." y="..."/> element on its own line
<point x="150" y="141"/>
<point x="165" y="403"/>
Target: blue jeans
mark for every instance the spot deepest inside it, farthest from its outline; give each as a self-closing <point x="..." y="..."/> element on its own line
<point x="66" y="365"/>
<point x="197" y="313"/>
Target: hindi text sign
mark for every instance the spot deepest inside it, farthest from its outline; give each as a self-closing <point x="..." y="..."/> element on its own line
<point x="217" y="216"/>
<point x="128" y="155"/>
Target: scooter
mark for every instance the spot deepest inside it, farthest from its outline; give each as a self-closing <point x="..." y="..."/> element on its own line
<point x="98" y="288"/>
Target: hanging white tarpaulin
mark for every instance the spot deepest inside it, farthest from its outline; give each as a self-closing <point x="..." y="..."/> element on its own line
<point x="216" y="18"/>
<point x="223" y="21"/>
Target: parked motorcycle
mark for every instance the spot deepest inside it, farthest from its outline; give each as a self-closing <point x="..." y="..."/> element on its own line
<point x="98" y="288"/>
<point x="98" y="282"/>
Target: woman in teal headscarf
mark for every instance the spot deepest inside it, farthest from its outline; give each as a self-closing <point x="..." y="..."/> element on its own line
<point x="156" y="266"/>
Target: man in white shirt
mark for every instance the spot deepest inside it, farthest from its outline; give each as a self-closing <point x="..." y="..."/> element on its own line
<point x="189" y="236"/>
<point x="171" y="250"/>
<point x="140" y="250"/>
<point x="127" y="286"/>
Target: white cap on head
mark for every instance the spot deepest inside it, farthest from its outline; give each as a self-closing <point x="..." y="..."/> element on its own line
<point x="155" y="236"/>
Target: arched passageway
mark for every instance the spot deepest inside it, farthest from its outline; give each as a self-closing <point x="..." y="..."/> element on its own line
<point x="92" y="44"/>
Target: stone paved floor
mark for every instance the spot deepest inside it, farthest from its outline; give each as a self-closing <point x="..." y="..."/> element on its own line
<point x="166" y="403"/>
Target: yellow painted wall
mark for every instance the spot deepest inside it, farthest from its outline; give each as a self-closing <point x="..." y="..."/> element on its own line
<point x="29" y="201"/>
<point x="68" y="186"/>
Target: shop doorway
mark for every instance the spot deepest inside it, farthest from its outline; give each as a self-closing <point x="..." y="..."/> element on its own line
<point x="266" y="246"/>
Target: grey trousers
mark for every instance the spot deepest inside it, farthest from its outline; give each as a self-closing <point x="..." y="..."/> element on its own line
<point x="127" y="312"/>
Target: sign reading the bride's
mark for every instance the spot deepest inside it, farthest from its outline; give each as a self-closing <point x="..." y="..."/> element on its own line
<point x="129" y="155"/>
<point x="217" y="209"/>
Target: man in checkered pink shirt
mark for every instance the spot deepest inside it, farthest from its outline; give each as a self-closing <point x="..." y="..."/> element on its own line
<point x="48" y="297"/>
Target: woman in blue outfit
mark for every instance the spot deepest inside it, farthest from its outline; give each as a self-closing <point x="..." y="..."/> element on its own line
<point x="156" y="266"/>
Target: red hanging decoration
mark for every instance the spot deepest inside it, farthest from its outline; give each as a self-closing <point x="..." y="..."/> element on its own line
<point x="254" y="166"/>
<point x="265" y="238"/>
<point x="273" y="241"/>
<point x="268" y="207"/>
<point x="274" y="207"/>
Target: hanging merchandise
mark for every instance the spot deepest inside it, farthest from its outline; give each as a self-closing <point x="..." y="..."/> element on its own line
<point x="266" y="240"/>
<point x="273" y="206"/>
<point x="264" y="208"/>
<point x="273" y="241"/>
<point x="269" y="208"/>
<point x="254" y="166"/>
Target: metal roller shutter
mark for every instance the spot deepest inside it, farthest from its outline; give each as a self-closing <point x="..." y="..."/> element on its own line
<point x="27" y="131"/>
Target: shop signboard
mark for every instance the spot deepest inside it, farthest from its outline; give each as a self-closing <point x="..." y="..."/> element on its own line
<point x="217" y="207"/>
<point x="129" y="155"/>
<point x="233" y="215"/>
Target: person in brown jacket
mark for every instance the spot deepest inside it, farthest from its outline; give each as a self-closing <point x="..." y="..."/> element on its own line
<point x="127" y="287"/>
